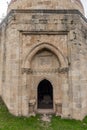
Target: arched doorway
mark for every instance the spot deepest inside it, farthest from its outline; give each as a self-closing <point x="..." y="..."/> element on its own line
<point x="45" y="95"/>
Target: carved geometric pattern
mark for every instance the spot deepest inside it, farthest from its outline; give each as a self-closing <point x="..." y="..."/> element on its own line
<point x="54" y="70"/>
<point x="26" y="70"/>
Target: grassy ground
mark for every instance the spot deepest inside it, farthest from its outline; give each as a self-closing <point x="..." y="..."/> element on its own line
<point x="9" y="122"/>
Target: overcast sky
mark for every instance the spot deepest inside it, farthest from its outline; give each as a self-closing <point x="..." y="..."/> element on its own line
<point x="4" y="5"/>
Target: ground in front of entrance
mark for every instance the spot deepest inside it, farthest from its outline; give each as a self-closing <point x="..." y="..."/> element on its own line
<point x="9" y="122"/>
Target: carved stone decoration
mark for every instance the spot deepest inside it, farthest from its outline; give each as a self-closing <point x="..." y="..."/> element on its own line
<point x="55" y="70"/>
<point x="45" y="60"/>
<point x="63" y="70"/>
<point x="35" y="71"/>
<point x="32" y="104"/>
<point x="53" y="50"/>
<point x="26" y="70"/>
<point x="58" y="106"/>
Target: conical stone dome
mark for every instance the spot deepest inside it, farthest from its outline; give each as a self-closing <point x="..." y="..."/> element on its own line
<point x="46" y="4"/>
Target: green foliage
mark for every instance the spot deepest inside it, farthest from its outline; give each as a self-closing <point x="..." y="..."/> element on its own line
<point x="10" y="122"/>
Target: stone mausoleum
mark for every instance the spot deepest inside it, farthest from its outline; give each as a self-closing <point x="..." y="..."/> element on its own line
<point x="43" y="58"/>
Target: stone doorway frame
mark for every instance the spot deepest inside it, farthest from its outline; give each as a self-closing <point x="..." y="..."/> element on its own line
<point x="52" y="94"/>
<point x="63" y="69"/>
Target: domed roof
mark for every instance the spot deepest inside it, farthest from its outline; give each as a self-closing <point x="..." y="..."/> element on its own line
<point x="46" y="4"/>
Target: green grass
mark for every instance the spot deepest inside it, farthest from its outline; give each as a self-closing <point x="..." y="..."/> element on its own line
<point x="10" y="122"/>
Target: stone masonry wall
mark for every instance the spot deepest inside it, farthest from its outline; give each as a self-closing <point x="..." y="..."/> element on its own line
<point x="0" y="65"/>
<point x="78" y="69"/>
<point x="66" y="32"/>
<point x="46" y="4"/>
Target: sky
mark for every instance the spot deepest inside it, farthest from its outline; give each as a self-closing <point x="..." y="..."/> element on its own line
<point x="4" y="5"/>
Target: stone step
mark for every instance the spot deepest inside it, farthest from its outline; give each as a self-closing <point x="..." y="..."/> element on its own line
<point x="45" y="111"/>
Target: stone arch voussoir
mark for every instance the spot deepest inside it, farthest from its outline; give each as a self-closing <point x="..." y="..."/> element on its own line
<point x="52" y="48"/>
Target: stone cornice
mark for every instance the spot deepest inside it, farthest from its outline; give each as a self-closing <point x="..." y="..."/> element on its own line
<point x="44" y="32"/>
<point x="12" y="12"/>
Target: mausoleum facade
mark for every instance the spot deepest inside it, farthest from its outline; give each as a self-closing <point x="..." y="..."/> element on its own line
<point x="43" y="58"/>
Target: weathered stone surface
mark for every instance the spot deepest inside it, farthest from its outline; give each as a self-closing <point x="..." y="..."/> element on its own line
<point x="46" y="4"/>
<point x="50" y="45"/>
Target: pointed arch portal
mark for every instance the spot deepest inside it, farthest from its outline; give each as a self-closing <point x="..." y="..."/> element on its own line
<point x="45" y="95"/>
<point x="48" y="46"/>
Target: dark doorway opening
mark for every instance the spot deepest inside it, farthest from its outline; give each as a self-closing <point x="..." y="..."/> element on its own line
<point x="45" y="95"/>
